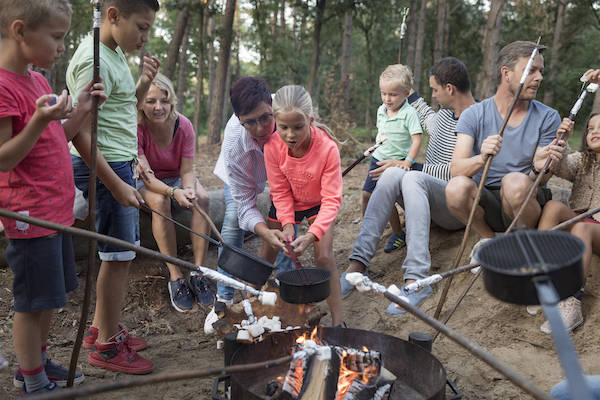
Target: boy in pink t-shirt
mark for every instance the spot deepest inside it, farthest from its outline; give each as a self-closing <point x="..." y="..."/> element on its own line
<point x="36" y="178"/>
<point x="303" y="170"/>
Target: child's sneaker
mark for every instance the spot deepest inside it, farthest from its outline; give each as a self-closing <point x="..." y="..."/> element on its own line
<point x="199" y="286"/>
<point x="50" y="387"/>
<point x="136" y="343"/>
<point x="395" y="242"/>
<point x="180" y="295"/>
<point x="119" y="357"/>
<point x="56" y="373"/>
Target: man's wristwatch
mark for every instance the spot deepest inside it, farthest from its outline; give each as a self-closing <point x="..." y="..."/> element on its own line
<point x="536" y="172"/>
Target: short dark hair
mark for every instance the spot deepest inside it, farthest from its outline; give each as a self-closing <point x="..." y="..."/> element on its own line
<point x="128" y="7"/>
<point x="451" y="70"/>
<point x="510" y="54"/>
<point x="247" y="93"/>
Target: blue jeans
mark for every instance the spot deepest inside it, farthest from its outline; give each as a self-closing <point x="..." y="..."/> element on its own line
<point x="234" y="236"/>
<point x="560" y="391"/>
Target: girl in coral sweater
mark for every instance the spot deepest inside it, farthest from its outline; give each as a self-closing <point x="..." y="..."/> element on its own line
<point x="583" y="169"/>
<point x="303" y="170"/>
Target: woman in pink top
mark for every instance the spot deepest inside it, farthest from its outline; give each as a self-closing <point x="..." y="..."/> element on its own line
<point x="303" y="170"/>
<point x="166" y="145"/>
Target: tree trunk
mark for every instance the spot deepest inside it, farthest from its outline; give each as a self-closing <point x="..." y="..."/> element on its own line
<point x="282" y="19"/>
<point x="412" y="37"/>
<point x="173" y="51"/>
<point x="446" y="50"/>
<point x="346" y="58"/>
<point x="596" y="104"/>
<point x="316" y="50"/>
<point x="216" y="112"/>
<point x="439" y="36"/>
<point x="199" y="88"/>
<point x="486" y="82"/>
<point x="556" y="45"/>
<point x="419" y="48"/>
<point x="226" y="96"/>
<point x="211" y="60"/>
<point x="181" y="83"/>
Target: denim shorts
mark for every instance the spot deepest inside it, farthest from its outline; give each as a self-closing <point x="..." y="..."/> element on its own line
<point x="173" y="181"/>
<point x="44" y="271"/>
<point x="112" y="219"/>
<point x="370" y="184"/>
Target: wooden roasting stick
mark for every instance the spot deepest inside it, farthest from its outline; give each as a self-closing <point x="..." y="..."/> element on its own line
<point x="88" y="390"/>
<point x="90" y="269"/>
<point x="393" y="293"/>
<point x="482" y="183"/>
<point x="266" y="298"/>
<point x="366" y="154"/>
<point x="532" y="190"/>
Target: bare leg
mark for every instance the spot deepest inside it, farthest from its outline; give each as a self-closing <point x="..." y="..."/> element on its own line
<point x="324" y="259"/>
<point x="590" y="234"/>
<point x="515" y="187"/>
<point x="199" y="224"/>
<point x="111" y="288"/>
<point x="553" y="213"/>
<point x="27" y="328"/>
<point x="45" y="326"/>
<point x="460" y="195"/>
<point x="163" y="230"/>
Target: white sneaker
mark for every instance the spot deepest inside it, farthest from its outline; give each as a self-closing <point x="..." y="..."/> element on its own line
<point x="474" y="253"/>
<point x="570" y="312"/>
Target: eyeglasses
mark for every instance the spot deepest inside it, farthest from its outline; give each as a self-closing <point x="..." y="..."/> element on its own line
<point x="263" y="120"/>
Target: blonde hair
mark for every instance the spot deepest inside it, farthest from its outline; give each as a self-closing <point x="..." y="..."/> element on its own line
<point x="294" y="98"/>
<point x="164" y="84"/>
<point x="33" y="13"/>
<point x="398" y="74"/>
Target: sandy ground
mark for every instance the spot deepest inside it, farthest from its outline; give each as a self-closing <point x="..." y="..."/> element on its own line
<point x="177" y="341"/>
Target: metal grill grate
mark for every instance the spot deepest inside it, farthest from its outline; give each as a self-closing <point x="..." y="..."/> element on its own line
<point x="530" y="252"/>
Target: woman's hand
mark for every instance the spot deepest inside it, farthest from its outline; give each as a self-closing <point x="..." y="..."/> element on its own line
<point x="275" y="238"/>
<point x="182" y="199"/>
<point x="299" y="245"/>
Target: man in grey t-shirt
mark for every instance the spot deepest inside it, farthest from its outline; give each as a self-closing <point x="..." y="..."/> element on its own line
<point x="518" y="157"/>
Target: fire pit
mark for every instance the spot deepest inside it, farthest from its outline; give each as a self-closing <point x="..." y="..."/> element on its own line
<point x="418" y="374"/>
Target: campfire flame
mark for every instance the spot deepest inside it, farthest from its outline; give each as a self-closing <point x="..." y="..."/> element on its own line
<point x="346" y="376"/>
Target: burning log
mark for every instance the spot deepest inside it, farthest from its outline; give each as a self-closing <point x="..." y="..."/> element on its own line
<point x="322" y="372"/>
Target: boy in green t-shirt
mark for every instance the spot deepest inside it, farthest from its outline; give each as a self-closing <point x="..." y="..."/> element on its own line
<point x="399" y="122"/>
<point x="124" y="27"/>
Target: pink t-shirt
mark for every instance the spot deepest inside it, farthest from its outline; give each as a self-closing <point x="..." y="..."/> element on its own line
<point x="41" y="185"/>
<point x="301" y="183"/>
<point x="166" y="161"/>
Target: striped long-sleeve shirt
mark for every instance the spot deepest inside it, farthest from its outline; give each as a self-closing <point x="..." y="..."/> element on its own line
<point x="241" y="165"/>
<point x="440" y="126"/>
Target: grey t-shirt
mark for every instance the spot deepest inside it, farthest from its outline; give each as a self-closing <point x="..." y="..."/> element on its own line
<point x="519" y="143"/>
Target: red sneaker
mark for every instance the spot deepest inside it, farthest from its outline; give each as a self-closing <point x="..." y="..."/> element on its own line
<point x="89" y="339"/>
<point x="118" y="356"/>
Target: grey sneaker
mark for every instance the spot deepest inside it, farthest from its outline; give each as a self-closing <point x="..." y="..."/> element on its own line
<point x="415" y="298"/>
<point x="181" y="296"/>
<point x="570" y="312"/>
<point x="346" y="286"/>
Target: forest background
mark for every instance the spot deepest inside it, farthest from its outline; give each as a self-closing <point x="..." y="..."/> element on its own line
<point x="338" y="48"/>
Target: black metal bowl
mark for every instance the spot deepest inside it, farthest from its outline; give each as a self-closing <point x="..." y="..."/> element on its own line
<point x="510" y="262"/>
<point x="245" y="266"/>
<point x="304" y="285"/>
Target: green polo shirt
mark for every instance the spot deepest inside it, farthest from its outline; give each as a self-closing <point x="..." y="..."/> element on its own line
<point x="117" y="116"/>
<point x="397" y="129"/>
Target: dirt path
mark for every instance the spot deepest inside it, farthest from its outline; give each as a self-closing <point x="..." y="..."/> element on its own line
<point x="177" y="342"/>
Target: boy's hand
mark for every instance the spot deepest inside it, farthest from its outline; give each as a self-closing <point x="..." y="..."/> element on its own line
<point x="91" y="90"/>
<point x="127" y="196"/>
<point x="61" y="110"/>
<point x="303" y="241"/>
<point x="151" y="65"/>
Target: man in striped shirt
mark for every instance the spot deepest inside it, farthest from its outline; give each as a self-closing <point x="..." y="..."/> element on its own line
<point x="420" y="192"/>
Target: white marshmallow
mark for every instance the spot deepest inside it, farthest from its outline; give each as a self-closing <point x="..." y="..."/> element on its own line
<point x="268" y="298"/>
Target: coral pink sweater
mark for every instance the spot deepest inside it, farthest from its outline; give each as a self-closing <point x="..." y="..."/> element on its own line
<point x="298" y="184"/>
